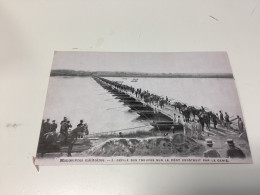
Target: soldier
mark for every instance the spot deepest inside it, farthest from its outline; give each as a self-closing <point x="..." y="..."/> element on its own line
<point x="80" y="124"/>
<point x="64" y="129"/>
<point x="240" y="124"/>
<point x="193" y="127"/>
<point x="233" y="151"/>
<point x="75" y="133"/>
<point x="69" y="125"/>
<point x="215" y="120"/>
<point x="64" y="120"/>
<point x="221" y="117"/>
<point x="161" y="103"/>
<point x="179" y="120"/>
<point x="199" y="130"/>
<point x="227" y="122"/>
<point x="41" y="139"/>
<point x="201" y="121"/>
<point x="210" y="152"/>
<point x="43" y="121"/>
<point x="53" y="126"/>
<point x="47" y="126"/>
<point x="174" y="118"/>
<point x="185" y="127"/>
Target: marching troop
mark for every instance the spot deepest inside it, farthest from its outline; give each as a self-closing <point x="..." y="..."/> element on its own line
<point x="192" y="127"/>
<point x="204" y="117"/>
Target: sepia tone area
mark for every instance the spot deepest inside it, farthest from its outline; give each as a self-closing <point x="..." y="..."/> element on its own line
<point x="119" y="113"/>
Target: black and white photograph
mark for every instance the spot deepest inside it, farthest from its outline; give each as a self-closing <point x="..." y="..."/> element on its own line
<point x="142" y="107"/>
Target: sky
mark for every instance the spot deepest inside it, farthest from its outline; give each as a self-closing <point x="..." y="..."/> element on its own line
<point x="150" y="62"/>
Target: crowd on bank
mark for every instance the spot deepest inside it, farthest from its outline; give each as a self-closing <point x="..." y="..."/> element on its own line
<point x="65" y="127"/>
<point x="232" y="152"/>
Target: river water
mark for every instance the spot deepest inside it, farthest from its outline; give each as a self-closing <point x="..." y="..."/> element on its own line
<point x="82" y="98"/>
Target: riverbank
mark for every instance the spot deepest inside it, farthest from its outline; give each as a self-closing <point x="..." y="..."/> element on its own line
<point x="150" y="143"/>
<point x="74" y="73"/>
<point x="156" y="143"/>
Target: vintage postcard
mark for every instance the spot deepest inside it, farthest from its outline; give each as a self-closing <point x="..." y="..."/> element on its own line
<point x="142" y="107"/>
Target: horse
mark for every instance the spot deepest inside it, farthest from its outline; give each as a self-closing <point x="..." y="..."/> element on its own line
<point x="52" y="141"/>
<point x="179" y="105"/>
<point x="205" y="116"/>
<point x="194" y="111"/>
<point x="214" y="118"/>
<point x="186" y="113"/>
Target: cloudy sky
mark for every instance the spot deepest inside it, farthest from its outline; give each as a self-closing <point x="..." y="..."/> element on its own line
<point x="178" y="62"/>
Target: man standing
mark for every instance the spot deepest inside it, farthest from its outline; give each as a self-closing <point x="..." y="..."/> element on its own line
<point x="47" y="126"/>
<point x="43" y="121"/>
<point x="53" y="126"/>
<point x="41" y="139"/>
<point x="221" y="117"/>
<point x="210" y="152"/>
<point x="174" y="118"/>
<point x="240" y="124"/>
<point x="199" y="130"/>
<point x="193" y="127"/>
<point x="64" y="129"/>
<point x="62" y="124"/>
<point x="215" y="120"/>
<point x="179" y="120"/>
<point x="233" y="151"/>
<point x="185" y="127"/>
<point x="201" y="121"/>
<point x="227" y="122"/>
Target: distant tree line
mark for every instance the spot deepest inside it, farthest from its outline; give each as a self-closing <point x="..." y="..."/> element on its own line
<point x="81" y="73"/>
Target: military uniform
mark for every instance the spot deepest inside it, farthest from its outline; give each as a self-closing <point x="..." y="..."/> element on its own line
<point x="234" y="152"/>
<point x="80" y="125"/>
<point x="240" y="125"/>
<point x="54" y="127"/>
<point x="199" y="130"/>
<point x="46" y="127"/>
<point x="211" y="153"/>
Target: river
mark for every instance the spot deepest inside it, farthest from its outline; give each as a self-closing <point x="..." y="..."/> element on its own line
<point x="82" y="98"/>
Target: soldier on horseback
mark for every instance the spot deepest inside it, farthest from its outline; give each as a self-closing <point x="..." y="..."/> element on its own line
<point x="52" y="141"/>
<point x="73" y="136"/>
<point x="65" y="128"/>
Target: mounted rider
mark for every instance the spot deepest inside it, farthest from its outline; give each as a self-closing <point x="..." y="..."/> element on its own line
<point x="53" y="126"/>
<point x="47" y="126"/>
<point x="75" y="134"/>
<point x="65" y="125"/>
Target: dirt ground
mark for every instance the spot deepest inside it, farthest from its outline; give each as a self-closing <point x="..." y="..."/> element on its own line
<point x="156" y="143"/>
<point x="163" y="144"/>
<point x="177" y="145"/>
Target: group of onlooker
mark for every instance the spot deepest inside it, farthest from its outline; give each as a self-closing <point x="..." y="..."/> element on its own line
<point x="232" y="151"/>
